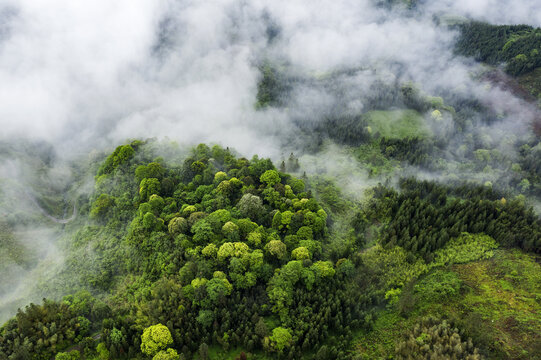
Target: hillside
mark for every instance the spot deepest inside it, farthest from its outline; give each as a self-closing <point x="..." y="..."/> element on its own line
<point x="234" y="257"/>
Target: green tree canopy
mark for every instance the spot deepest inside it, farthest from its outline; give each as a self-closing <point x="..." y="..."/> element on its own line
<point x="155" y="338"/>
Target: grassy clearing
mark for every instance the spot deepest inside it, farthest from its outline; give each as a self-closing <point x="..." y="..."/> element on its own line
<point x="498" y="305"/>
<point x="397" y="124"/>
<point x="379" y="343"/>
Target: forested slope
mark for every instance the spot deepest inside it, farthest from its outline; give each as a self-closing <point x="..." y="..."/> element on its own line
<point x="207" y="255"/>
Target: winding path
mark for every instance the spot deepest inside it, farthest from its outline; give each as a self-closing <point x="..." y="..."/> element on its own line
<point x="52" y="218"/>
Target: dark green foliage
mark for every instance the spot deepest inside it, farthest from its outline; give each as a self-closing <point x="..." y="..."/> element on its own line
<point x="530" y="164"/>
<point x="412" y="150"/>
<point x="42" y="330"/>
<point x="426" y="215"/>
<point x="517" y="45"/>
<point x="121" y="155"/>
<point x="272" y="88"/>
<point x="345" y="128"/>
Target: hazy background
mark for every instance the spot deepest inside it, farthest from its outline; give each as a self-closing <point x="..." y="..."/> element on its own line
<point x="88" y="75"/>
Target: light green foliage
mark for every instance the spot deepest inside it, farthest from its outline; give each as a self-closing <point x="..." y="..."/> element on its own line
<point x="102" y="351"/>
<point x="516" y="167"/>
<point x="435" y="101"/>
<point x="277" y="220"/>
<point x="170" y="354"/>
<point x="155" y="338"/>
<point x="115" y="336"/>
<point x="226" y="250"/>
<point x="188" y="210"/>
<point x="229" y="188"/>
<point x="322" y="214"/>
<point x="300" y="253"/>
<point x="281" y="338"/>
<point x="465" y="248"/>
<point x="254" y="238"/>
<point x="280" y="290"/>
<point x="218" y="218"/>
<point x="219" y="177"/>
<point x="72" y="355"/>
<point x="498" y="305"/>
<point x="270" y="177"/>
<point x="148" y="273"/>
<point x="198" y="282"/>
<point x="323" y="269"/>
<point x="313" y="246"/>
<point x="393" y="269"/>
<point x="121" y="155"/>
<point x="436" y="115"/>
<point x="289" y="192"/>
<point x="297" y="185"/>
<point x="219" y="275"/>
<point x="397" y="124"/>
<point x="286" y="220"/>
<point x="149" y="186"/>
<point x="277" y="249"/>
<point x="210" y="251"/>
<point x="438" y="285"/>
<point x="392" y="296"/>
<point x="230" y="231"/>
<point x="255" y="260"/>
<point x="391" y="266"/>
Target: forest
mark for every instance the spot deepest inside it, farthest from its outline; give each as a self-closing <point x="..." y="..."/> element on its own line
<point x="517" y="46"/>
<point x="372" y="209"/>
<point x="213" y="255"/>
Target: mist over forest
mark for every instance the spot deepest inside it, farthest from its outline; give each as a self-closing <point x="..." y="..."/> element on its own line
<point x="270" y="179"/>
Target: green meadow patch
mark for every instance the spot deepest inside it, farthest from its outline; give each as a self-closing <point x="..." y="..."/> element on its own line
<point x="397" y="124"/>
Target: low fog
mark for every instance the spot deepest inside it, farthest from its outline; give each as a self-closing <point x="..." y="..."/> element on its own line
<point x="84" y="76"/>
<point x="87" y="76"/>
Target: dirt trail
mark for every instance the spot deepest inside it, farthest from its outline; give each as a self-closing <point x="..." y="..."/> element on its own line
<point x="47" y="215"/>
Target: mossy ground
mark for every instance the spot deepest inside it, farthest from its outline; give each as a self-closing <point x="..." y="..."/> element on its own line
<point x="499" y="306"/>
<point x="397" y="124"/>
